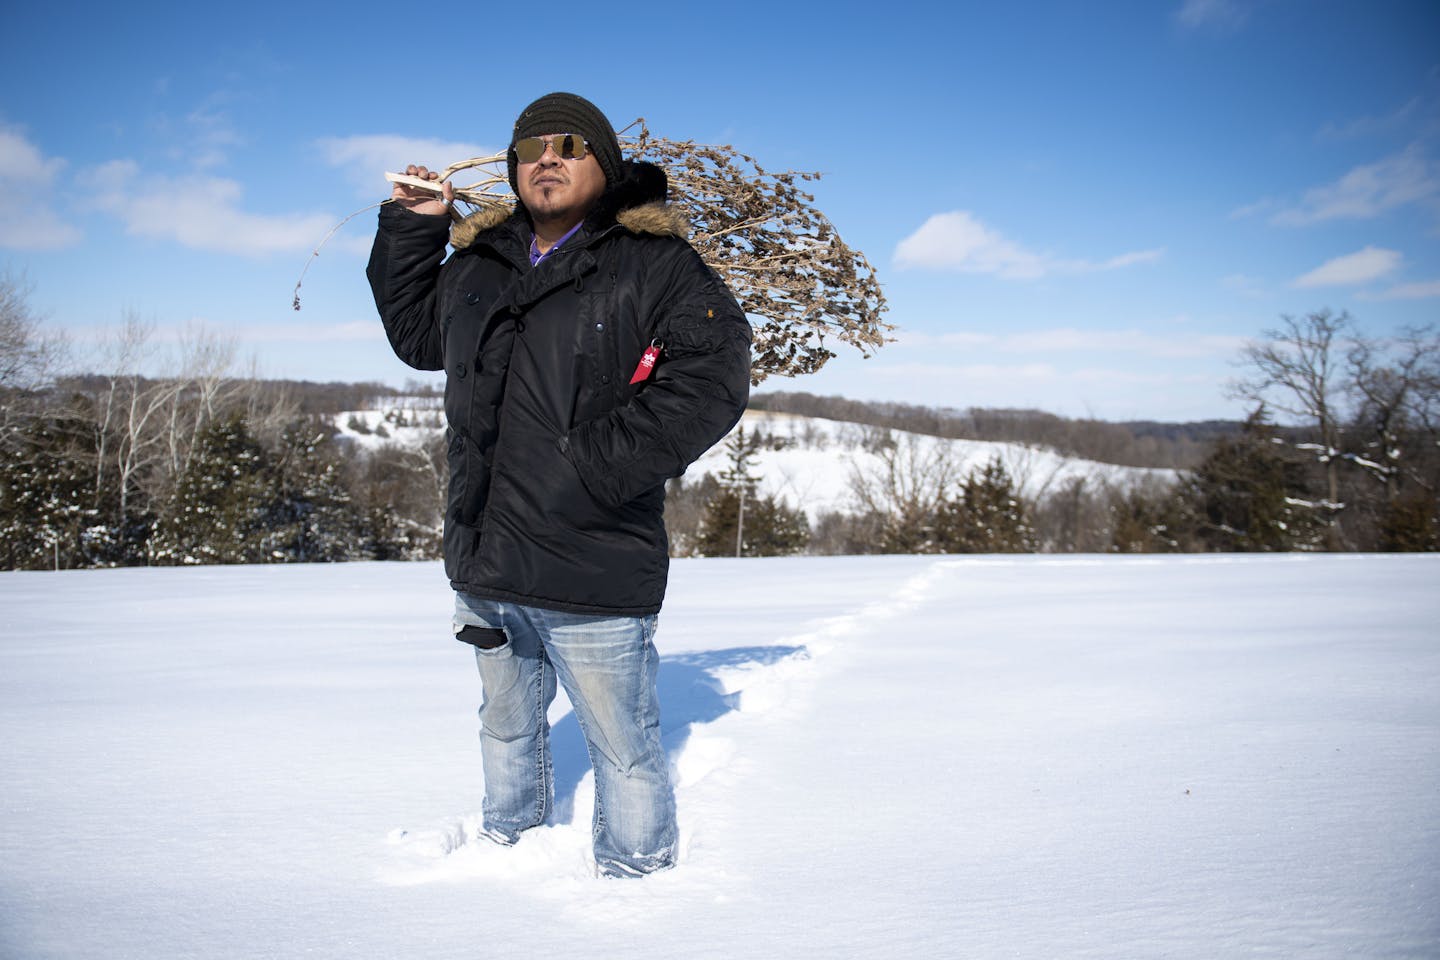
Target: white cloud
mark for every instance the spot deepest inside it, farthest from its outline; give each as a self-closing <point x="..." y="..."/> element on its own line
<point x="1373" y="125"/>
<point x="1216" y="14"/>
<point x="1131" y="259"/>
<point x="1411" y="291"/>
<point x="366" y="158"/>
<point x="961" y="242"/>
<point x="200" y="212"/>
<point x="28" y="219"/>
<point x="1367" y="191"/>
<point x="1362" y="266"/>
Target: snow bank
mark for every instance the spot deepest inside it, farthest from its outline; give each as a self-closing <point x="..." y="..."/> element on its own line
<point x="1191" y="757"/>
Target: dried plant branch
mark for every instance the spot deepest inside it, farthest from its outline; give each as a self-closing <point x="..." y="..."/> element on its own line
<point x="797" y="281"/>
<point x="481" y="193"/>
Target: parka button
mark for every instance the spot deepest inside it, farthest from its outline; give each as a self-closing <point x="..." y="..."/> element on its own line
<point x="604" y="378"/>
<point x="460" y="370"/>
<point x="472" y="298"/>
<point x="519" y="326"/>
<point x="599" y="326"/>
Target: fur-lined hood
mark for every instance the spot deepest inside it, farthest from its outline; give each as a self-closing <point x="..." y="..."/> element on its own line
<point x="636" y="203"/>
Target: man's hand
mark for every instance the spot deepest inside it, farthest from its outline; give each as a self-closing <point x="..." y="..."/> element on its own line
<point x="420" y="200"/>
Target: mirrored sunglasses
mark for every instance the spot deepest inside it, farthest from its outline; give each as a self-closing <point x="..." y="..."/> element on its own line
<point x="567" y="146"/>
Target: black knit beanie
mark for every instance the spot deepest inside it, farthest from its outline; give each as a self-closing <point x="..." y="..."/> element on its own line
<point x="567" y="113"/>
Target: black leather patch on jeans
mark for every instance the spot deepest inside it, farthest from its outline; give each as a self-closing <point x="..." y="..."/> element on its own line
<point x="486" y="638"/>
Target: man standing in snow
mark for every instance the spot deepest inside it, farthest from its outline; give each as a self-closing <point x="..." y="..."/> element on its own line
<point x="589" y="355"/>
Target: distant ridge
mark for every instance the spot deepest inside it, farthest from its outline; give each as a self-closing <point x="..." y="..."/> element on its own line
<point x="1138" y="443"/>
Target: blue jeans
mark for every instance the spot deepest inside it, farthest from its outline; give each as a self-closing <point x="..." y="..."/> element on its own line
<point x="608" y="667"/>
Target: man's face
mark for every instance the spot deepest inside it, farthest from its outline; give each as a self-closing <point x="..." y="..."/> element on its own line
<point x="560" y="192"/>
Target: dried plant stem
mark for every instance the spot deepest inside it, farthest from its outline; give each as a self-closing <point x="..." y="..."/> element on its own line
<point x="295" y="302"/>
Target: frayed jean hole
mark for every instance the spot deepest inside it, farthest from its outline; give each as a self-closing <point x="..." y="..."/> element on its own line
<point x="482" y="638"/>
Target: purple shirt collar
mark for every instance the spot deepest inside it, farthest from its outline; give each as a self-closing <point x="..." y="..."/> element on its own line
<point x="536" y="256"/>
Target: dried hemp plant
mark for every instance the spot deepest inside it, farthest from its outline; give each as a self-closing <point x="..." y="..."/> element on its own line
<point x="797" y="281"/>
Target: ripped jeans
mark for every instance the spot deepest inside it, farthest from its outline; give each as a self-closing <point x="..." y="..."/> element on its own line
<point x="608" y="667"/>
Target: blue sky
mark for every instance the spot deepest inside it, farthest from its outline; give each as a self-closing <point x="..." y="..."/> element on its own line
<point x="1080" y="207"/>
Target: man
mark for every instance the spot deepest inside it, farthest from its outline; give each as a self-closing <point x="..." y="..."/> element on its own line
<point x="589" y="355"/>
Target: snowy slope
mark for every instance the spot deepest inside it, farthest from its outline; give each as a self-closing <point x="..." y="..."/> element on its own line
<point x="1034" y="757"/>
<point x="814" y="470"/>
<point x="408" y="421"/>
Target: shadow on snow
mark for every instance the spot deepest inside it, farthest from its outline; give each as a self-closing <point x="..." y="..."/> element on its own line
<point x="690" y="692"/>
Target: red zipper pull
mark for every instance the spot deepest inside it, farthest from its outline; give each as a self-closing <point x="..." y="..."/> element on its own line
<point x="647" y="362"/>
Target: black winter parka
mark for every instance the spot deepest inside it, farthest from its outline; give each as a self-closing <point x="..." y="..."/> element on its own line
<point x="557" y="462"/>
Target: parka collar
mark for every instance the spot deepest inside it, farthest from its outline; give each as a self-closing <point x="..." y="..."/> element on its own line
<point x="637" y="204"/>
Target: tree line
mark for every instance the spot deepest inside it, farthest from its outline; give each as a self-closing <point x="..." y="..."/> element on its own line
<point x="1355" y="464"/>
<point x="194" y="466"/>
<point x="1131" y="444"/>
<point x="199" y="465"/>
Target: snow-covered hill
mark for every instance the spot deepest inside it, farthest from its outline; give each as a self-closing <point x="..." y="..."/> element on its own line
<point x="1199" y="758"/>
<point x="813" y="470"/>
<point x="410" y="421"/>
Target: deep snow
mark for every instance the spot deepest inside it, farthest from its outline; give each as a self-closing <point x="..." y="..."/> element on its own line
<point x="1200" y="757"/>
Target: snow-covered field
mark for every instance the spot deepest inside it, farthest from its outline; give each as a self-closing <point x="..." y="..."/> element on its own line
<point x="1035" y="757"/>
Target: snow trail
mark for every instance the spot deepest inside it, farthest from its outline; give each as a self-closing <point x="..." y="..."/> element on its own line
<point x="768" y="685"/>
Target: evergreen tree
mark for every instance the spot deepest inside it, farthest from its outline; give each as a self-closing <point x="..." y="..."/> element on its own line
<point x="1141" y="521"/>
<point x="50" y="516"/>
<point x="220" y="507"/>
<point x="309" y="516"/>
<point x="738" y="522"/>
<point x="1249" y="496"/>
<point x="399" y="499"/>
<point x="771" y="529"/>
<point x="987" y="515"/>
<point x="1410" y="523"/>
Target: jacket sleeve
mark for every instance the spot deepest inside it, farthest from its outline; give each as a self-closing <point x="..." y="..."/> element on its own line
<point x="696" y="394"/>
<point x="404" y="274"/>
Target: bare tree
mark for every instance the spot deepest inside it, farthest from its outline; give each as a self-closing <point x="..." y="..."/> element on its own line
<point x="1397" y="398"/>
<point x="28" y="354"/>
<point x="132" y="413"/>
<point x="905" y="486"/>
<point x="205" y="367"/>
<point x="1296" y="371"/>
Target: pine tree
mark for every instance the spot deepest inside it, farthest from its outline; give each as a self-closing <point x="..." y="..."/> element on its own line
<point x="987" y="515"/>
<point x="399" y="496"/>
<point x="50" y="516"/>
<point x="1249" y="496"/>
<point x="1141" y="521"/>
<point x="1410" y="523"/>
<point x="218" y="514"/>
<point x="309" y="516"/>
<point x="738" y="522"/>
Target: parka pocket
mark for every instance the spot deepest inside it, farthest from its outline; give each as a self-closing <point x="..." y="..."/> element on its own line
<point x="468" y="480"/>
<point x="690" y="333"/>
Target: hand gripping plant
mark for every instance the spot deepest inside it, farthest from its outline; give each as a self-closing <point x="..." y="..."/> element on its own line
<point x="797" y="281"/>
